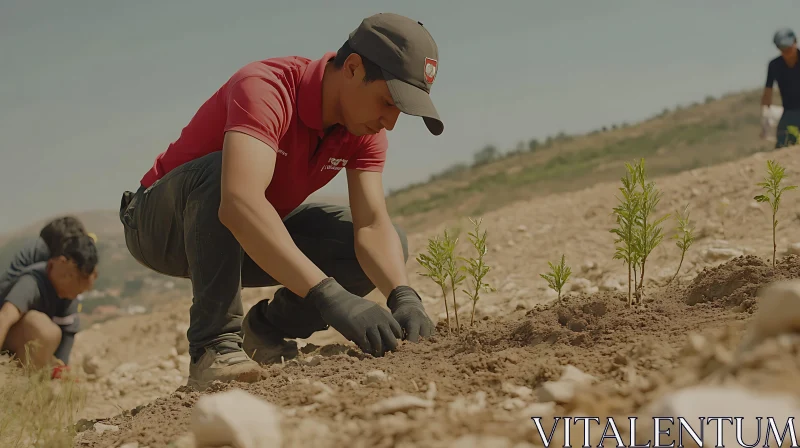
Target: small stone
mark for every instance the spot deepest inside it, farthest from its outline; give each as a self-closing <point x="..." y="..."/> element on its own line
<point x="778" y="312"/>
<point x="517" y="391"/>
<point x="130" y="445"/>
<point x="522" y="228"/>
<point x="236" y="418"/>
<point x="512" y="403"/>
<point x="102" y="427"/>
<point x="376" y="376"/>
<point x="400" y="403"/>
<point x="91" y="365"/>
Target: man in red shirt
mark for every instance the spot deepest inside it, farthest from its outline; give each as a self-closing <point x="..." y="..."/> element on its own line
<point x="222" y="205"/>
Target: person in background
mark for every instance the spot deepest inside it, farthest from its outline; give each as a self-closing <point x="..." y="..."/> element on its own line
<point x="47" y="245"/>
<point x="785" y="71"/>
<point x="41" y="308"/>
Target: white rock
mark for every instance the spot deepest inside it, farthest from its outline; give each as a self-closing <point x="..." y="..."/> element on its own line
<point x="512" y="403"/>
<point x="522" y="228"/>
<point x="130" y="445"/>
<point x="563" y="390"/>
<point x="588" y="266"/>
<point x="102" y="427"/>
<point x="577" y="376"/>
<point x="778" y="312"/>
<point x="91" y="365"/>
<point x="376" y="376"/>
<point x="236" y="418"/>
<point x="706" y="401"/>
<point x="523" y="392"/>
<point x="400" y="403"/>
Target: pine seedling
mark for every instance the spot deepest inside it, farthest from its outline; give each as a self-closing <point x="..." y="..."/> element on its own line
<point x="626" y="214"/>
<point x="476" y="267"/>
<point x="772" y="182"/>
<point x="452" y="270"/>
<point x="434" y="263"/>
<point x="684" y="236"/>
<point x="558" y="276"/>
<point x="649" y="233"/>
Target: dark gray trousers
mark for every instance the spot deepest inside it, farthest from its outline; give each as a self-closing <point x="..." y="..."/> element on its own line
<point x="173" y="228"/>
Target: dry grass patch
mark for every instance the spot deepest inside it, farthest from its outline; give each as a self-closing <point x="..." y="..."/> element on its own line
<point x="37" y="411"/>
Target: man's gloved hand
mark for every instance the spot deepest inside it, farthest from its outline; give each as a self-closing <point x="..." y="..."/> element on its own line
<point x="407" y="309"/>
<point x="371" y="327"/>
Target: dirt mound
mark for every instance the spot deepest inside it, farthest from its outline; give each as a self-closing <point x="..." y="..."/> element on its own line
<point x="735" y="283"/>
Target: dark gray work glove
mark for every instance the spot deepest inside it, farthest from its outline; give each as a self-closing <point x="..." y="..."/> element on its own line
<point x="371" y="327"/>
<point x="407" y="309"/>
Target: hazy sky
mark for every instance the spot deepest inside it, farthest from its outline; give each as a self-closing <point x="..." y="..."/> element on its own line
<point x="91" y="91"/>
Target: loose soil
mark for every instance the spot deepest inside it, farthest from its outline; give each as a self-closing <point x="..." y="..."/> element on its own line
<point x="682" y="334"/>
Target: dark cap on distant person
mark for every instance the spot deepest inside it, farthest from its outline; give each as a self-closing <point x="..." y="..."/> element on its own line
<point x="784" y="38"/>
<point x="409" y="58"/>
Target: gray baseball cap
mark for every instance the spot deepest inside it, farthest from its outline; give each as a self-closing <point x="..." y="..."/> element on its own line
<point x="409" y="58"/>
<point x="784" y="38"/>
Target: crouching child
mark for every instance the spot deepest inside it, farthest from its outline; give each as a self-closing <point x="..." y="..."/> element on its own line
<point x="39" y="313"/>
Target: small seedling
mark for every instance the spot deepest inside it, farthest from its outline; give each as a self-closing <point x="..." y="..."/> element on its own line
<point x="649" y="233"/>
<point x="452" y="270"/>
<point x="684" y="236"/>
<point x="795" y="132"/>
<point x="775" y="174"/>
<point x="434" y="263"/>
<point x="476" y="267"/>
<point x="626" y="213"/>
<point x="558" y="276"/>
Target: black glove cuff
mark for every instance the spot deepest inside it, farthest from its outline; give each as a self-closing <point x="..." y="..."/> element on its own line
<point x="401" y="293"/>
<point x="322" y="290"/>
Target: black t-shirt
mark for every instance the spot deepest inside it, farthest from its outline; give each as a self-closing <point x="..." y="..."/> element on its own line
<point x="33" y="252"/>
<point x="788" y="80"/>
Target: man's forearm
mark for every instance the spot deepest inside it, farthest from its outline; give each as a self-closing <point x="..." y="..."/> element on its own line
<point x="262" y="234"/>
<point x="380" y="254"/>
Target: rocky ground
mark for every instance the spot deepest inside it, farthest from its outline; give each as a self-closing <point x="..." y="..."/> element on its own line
<point x="525" y="356"/>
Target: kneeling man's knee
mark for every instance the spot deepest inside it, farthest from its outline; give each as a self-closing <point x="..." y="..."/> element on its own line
<point x="38" y="326"/>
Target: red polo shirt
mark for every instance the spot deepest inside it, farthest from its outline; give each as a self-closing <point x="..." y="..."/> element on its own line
<point x="278" y="101"/>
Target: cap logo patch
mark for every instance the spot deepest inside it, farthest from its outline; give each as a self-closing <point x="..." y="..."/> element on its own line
<point x="431" y="66"/>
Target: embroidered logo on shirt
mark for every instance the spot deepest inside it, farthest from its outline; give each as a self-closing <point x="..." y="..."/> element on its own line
<point x="334" y="164"/>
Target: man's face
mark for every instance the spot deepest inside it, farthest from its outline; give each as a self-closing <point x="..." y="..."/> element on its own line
<point x="366" y="108"/>
<point x="789" y="51"/>
<point x="67" y="279"/>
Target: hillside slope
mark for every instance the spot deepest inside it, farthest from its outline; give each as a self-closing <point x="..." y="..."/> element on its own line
<point x="678" y="140"/>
